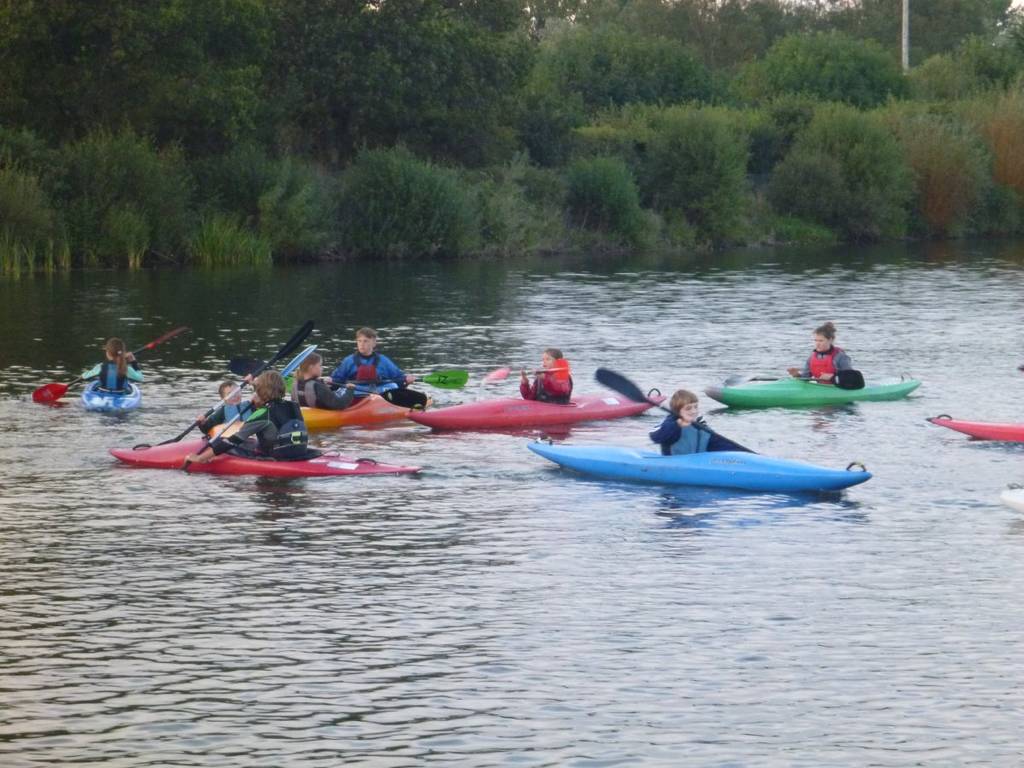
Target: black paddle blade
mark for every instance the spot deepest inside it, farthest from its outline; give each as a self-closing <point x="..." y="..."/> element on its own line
<point x="290" y="346"/>
<point x="243" y="366"/>
<point x="619" y="383"/>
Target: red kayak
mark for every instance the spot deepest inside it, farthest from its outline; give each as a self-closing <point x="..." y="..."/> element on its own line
<point x="982" y="430"/>
<point x="172" y="456"/>
<point x="514" y="412"/>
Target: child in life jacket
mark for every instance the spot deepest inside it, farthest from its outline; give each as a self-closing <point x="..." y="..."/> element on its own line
<point x="826" y="360"/>
<point x="373" y="373"/>
<point x="310" y="391"/>
<point x="683" y="431"/>
<point x="119" y="368"/>
<point x="552" y="383"/>
<point x="234" y="406"/>
<point x="273" y="430"/>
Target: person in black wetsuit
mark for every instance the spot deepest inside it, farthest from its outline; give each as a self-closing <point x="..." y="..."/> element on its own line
<point x="274" y="429"/>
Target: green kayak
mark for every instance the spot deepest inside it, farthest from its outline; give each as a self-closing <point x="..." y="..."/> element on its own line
<point x="754" y="393"/>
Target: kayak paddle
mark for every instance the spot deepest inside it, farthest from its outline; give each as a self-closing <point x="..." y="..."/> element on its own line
<point x="451" y="378"/>
<point x="619" y="383"/>
<point x="48" y="393"/>
<point x="497" y="375"/>
<point x="287" y="349"/>
<point x="288" y="370"/>
<point x="500" y="374"/>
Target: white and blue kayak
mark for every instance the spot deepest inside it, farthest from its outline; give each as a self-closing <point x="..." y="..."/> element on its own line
<point x="716" y="469"/>
<point x="96" y="399"/>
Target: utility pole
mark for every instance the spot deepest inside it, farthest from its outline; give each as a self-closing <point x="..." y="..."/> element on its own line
<point x="905" y="49"/>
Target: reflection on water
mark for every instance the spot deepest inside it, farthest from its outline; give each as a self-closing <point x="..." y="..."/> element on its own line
<point x="496" y="610"/>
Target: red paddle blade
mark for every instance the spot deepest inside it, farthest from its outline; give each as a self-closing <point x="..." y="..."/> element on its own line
<point x="499" y="375"/>
<point x="49" y="393"/>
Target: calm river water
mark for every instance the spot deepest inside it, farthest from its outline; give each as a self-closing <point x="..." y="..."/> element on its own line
<point x="496" y="610"/>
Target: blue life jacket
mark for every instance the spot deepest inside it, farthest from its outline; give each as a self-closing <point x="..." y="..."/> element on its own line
<point x="691" y="440"/>
<point x="108" y="379"/>
<point x="241" y="410"/>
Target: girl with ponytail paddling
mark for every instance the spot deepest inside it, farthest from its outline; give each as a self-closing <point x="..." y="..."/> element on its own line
<point x="119" y="369"/>
<point x="826" y="360"/>
<point x="309" y="389"/>
<point x="552" y="383"/>
<point x="375" y="374"/>
<point x="274" y="429"/>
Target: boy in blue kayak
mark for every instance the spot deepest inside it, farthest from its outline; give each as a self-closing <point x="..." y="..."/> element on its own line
<point x="119" y="369"/>
<point x="683" y="431"/>
<point x="375" y="374"/>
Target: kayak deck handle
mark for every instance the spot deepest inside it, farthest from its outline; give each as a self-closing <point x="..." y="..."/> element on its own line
<point x="944" y="416"/>
<point x="853" y="464"/>
<point x="653" y="391"/>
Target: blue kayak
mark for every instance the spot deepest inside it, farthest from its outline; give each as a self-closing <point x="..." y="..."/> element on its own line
<point x="95" y="399"/>
<point x="716" y="469"/>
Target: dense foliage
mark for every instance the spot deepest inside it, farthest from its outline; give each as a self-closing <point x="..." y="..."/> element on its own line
<point x="148" y="132"/>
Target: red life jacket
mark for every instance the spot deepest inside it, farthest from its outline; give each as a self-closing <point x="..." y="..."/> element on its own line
<point x="367" y="372"/>
<point x="821" y="365"/>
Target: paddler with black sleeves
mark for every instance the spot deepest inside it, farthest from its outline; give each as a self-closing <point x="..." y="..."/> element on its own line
<point x="274" y="429"/>
<point x="373" y="373"/>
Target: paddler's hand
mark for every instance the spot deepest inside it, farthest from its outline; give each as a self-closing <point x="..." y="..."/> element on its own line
<point x="409" y="378"/>
<point x="794" y="372"/>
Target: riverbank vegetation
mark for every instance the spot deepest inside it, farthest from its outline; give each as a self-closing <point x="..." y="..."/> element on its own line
<point x="180" y="132"/>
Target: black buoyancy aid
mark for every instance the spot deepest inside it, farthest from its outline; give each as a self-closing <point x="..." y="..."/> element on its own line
<point x="304" y="392"/>
<point x="289" y="439"/>
<point x="366" y="372"/>
<point x="109" y="380"/>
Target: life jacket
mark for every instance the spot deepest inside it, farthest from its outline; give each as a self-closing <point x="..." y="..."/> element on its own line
<point x="304" y="392"/>
<point x="544" y="396"/>
<point x="109" y="380"/>
<point x="291" y="439"/>
<point x="241" y="410"/>
<point x="366" y="372"/>
<point x="691" y="440"/>
<point x="821" y="364"/>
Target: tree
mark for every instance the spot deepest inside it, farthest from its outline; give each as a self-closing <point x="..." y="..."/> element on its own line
<point x="828" y="66"/>
<point x="179" y="70"/>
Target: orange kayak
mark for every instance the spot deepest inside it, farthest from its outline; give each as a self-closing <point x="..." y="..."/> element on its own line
<point x="368" y="411"/>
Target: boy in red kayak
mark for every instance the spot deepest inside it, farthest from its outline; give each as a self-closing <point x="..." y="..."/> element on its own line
<point x="552" y="383"/>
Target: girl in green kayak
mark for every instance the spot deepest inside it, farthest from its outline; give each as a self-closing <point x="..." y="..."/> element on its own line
<point x="826" y="360"/>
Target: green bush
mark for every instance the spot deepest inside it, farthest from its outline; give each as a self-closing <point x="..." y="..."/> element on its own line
<point x="696" y="164"/>
<point x="603" y="196"/>
<point x="828" y="66"/>
<point x="224" y="241"/>
<point x="118" y="191"/>
<point x="520" y="209"/>
<point x="609" y="66"/>
<point x="30" y="233"/>
<point x="810" y="186"/>
<point x="393" y="204"/>
<point x="296" y="213"/>
<point x="949" y="166"/>
<point x="847" y="172"/>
